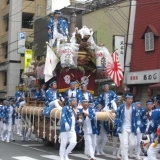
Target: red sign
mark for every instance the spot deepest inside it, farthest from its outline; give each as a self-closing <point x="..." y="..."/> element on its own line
<point x="64" y="78"/>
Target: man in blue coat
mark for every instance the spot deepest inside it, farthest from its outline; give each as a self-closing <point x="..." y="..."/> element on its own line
<point x="57" y="28"/>
<point x="67" y="129"/>
<point x="142" y="113"/>
<point x="53" y="96"/>
<point x="154" y="125"/>
<point x="128" y="125"/>
<point x="89" y="128"/>
<point x="21" y="97"/>
<point x="106" y="98"/>
<point x="7" y="117"/>
<point x="73" y="92"/>
<point x="86" y="94"/>
<point x="40" y="93"/>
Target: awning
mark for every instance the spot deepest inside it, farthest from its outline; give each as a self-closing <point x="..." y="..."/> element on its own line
<point x="155" y="86"/>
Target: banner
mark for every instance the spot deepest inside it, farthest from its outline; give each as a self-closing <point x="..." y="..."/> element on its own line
<point x="64" y="78"/>
<point x="28" y="58"/>
<point x="119" y="43"/>
<point x="21" y="42"/>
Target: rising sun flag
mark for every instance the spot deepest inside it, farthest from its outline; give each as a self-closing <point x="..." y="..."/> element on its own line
<point x="114" y="70"/>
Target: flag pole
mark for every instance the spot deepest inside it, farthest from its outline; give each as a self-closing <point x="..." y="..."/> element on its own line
<point x="51" y="48"/>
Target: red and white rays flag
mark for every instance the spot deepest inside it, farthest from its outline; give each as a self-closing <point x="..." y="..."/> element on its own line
<point x="114" y="70"/>
<point x="50" y="64"/>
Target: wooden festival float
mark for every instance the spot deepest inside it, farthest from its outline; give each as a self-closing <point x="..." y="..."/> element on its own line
<point x="90" y="62"/>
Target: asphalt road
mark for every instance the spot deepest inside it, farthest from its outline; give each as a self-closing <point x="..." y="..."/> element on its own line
<point x="32" y="150"/>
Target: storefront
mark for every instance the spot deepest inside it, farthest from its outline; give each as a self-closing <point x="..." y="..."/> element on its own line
<point x="140" y="84"/>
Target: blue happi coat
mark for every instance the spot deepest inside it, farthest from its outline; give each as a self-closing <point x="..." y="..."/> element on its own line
<point x="50" y="96"/>
<point x="143" y="117"/>
<point x="92" y="115"/>
<point x="39" y="95"/>
<point x="62" y="27"/>
<point x="135" y="121"/>
<point x="78" y="96"/>
<point x="5" y="114"/>
<point x="154" y="121"/>
<point x="1" y="110"/>
<point x="66" y="117"/>
<point x="19" y="95"/>
<point x="101" y="99"/>
<point x="90" y="97"/>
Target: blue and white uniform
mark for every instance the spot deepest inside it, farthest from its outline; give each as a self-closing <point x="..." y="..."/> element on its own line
<point x="73" y="93"/>
<point x="154" y="125"/>
<point x="40" y="95"/>
<point x="90" y="130"/>
<point x="128" y="123"/>
<point x="7" y="116"/>
<point x="59" y="29"/>
<point x="67" y="131"/>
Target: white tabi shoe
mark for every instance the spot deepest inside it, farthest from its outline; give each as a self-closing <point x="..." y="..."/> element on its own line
<point x="98" y="154"/>
<point x="138" y="158"/>
<point x="8" y="141"/>
<point x="66" y="157"/>
<point x="102" y="153"/>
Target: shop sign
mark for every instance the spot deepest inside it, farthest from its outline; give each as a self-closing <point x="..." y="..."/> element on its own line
<point x="143" y="77"/>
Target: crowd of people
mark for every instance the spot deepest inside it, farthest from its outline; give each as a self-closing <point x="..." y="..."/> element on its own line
<point x="79" y="111"/>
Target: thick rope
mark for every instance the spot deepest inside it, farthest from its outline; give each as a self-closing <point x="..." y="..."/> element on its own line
<point x="38" y="120"/>
<point x="44" y="127"/>
<point x="33" y="119"/>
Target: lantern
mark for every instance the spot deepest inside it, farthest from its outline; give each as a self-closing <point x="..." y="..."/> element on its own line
<point x="103" y="57"/>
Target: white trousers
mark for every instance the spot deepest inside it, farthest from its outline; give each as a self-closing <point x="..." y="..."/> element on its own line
<point x="67" y="137"/>
<point x="7" y="129"/>
<point x="120" y="147"/>
<point x="115" y="140"/>
<point x="1" y="127"/>
<point x="137" y="146"/>
<point x="55" y="103"/>
<point x="101" y="140"/>
<point x="23" y="103"/>
<point x="59" y="37"/>
<point x="153" y="151"/>
<point x="91" y="143"/>
<point x="86" y="151"/>
<point x="127" y="140"/>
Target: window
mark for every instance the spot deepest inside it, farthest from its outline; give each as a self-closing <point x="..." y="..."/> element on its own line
<point x="149" y="41"/>
<point x="8" y="1"/>
<point x="6" y="51"/>
<point x="5" y="79"/>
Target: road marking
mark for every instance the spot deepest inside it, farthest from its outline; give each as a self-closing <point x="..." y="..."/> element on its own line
<point x="84" y="157"/>
<point x="24" y="158"/>
<point x="53" y="157"/>
<point x="32" y="145"/>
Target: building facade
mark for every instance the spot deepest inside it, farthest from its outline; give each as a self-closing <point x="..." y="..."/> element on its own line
<point x="15" y="16"/>
<point x="108" y="23"/>
<point x="144" y="67"/>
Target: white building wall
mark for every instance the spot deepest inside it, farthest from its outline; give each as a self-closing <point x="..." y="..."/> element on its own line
<point x="130" y="38"/>
<point x="15" y="22"/>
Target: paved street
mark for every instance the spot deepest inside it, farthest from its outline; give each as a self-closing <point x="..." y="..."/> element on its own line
<point x="37" y="151"/>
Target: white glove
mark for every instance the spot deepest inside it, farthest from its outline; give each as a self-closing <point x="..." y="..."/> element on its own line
<point x="80" y="121"/>
<point x="67" y="31"/>
<point x="67" y="127"/>
<point x="114" y="105"/>
<point x="138" y="130"/>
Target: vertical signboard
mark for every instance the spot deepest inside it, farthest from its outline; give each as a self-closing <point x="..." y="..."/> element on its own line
<point x="28" y="58"/>
<point x="21" y="42"/>
<point x="119" y="47"/>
